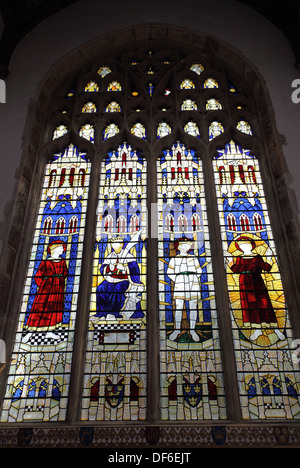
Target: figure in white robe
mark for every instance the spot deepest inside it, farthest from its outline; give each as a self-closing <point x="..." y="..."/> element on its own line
<point x="184" y="270"/>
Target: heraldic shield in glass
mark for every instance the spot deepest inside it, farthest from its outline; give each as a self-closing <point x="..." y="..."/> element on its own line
<point x="38" y="381"/>
<point x="268" y="381"/>
<point x="191" y="371"/>
<point x="115" y="371"/>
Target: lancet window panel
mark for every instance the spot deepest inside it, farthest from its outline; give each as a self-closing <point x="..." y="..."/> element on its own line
<point x="192" y="384"/>
<point x="115" y="368"/>
<point x="39" y="375"/>
<point x="268" y="378"/>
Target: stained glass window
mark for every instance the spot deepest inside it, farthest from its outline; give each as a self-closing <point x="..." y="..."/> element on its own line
<point x="59" y="131"/>
<point x="91" y="87"/>
<point x="103" y="71"/>
<point x="210" y="83"/>
<point x="138" y="130"/>
<point x="232" y="88"/>
<point x="163" y="129"/>
<point x="70" y="94"/>
<point x="87" y="132"/>
<point x="115" y="371"/>
<point x="114" y="86"/>
<point x="260" y="321"/>
<point x="192" y="129"/>
<point x="89" y="108"/>
<point x="189" y="104"/>
<point x="213" y="104"/>
<point x="149" y="94"/>
<point x="197" y="68"/>
<point x="113" y="107"/>
<point x="110" y="131"/>
<point x="191" y="371"/>
<point x="187" y="84"/>
<point x="39" y="375"/>
<point x="215" y="129"/>
<point x="244" y="127"/>
<point x="150" y="89"/>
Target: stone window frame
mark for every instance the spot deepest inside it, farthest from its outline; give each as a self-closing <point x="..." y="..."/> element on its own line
<point x="41" y="121"/>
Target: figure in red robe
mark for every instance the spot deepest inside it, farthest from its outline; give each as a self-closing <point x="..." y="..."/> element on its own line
<point x="257" y="309"/>
<point x="46" y="312"/>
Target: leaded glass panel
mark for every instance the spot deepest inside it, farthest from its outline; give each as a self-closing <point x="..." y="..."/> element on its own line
<point x="192" y="384"/>
<point x="115" y="369"/>
<point x="39" y="375"/>
<point x="268" y="381"/>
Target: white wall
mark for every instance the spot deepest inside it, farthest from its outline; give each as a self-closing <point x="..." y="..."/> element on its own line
<point x="254" y="36"/>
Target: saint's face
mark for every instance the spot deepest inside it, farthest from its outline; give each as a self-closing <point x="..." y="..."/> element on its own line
<point x="246" y="247"/>
<point x="57" y="251"/>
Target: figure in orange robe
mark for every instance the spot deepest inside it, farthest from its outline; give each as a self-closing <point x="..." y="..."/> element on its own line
<point x="257" y="308"/>
<point x="256" y="304"/>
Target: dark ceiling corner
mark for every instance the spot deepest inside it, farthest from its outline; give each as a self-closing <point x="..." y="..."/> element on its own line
<point x="285" y="15"/>
<point x="21" y="16"/>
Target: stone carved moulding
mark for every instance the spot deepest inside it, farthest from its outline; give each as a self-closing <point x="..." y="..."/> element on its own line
<point x="153" y="437"/>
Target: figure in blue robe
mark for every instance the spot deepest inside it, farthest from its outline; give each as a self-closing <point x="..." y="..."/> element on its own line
<point x="120" y="292"/>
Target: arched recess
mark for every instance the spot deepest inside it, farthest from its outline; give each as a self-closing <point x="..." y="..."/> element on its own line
<point x="38" y="141"/>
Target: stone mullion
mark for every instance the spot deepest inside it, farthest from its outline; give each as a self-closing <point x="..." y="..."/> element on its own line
<point x="223" y="310"/>
<point x="153" y="332"/>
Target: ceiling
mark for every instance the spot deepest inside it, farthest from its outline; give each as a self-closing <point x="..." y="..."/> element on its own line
<point x="20" y="16"/>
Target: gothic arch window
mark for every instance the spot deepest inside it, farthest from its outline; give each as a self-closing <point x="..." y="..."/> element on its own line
<point x="153" y="251"/>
